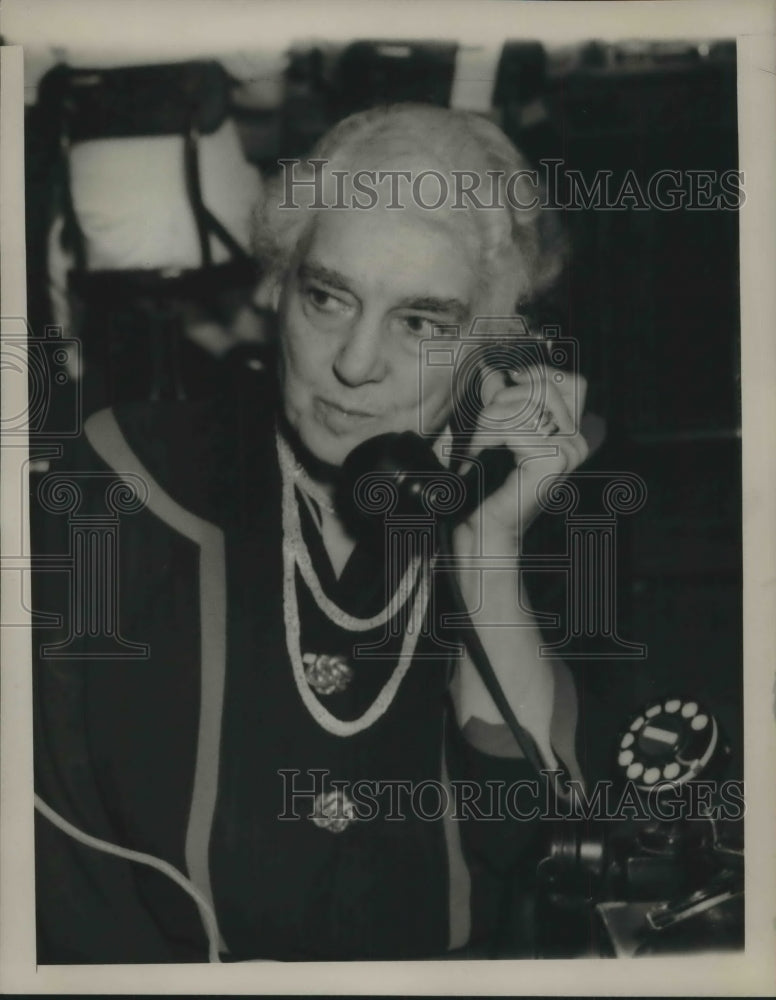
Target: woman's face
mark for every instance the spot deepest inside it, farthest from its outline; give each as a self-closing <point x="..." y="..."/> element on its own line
<point x="367" y="289"/>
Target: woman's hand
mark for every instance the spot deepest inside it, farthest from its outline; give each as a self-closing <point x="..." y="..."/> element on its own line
<point x="547" y="445"/>
<point x="536" y="413"/>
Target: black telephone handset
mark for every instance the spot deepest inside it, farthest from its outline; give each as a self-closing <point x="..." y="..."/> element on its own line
<point x="407" y="462"/>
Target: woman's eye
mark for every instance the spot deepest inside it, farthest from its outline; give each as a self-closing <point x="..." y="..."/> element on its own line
<point x="418" y="325"/>
<point x="323" y="301"/>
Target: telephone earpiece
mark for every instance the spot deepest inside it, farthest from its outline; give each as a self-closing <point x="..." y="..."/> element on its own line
<point x="421" y="486"/>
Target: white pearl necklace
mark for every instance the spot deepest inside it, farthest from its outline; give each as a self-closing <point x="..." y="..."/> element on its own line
<point x="295" y="554"/>
<point x="310" y="488"/>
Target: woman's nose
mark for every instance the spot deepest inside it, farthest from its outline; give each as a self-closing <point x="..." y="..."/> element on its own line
<point x="360" y="358"/>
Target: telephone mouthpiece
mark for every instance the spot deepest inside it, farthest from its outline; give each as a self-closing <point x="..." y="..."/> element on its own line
<point x="399" y="477"/>
<point x="394" y="475"/>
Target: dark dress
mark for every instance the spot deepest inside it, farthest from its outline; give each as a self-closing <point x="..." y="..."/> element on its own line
<point x="201" y="752"/>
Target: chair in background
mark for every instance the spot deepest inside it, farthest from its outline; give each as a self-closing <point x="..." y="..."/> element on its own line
<point x="155" y="206"/>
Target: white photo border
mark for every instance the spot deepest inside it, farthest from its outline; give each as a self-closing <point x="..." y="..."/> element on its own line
<point x="751" y="22"/>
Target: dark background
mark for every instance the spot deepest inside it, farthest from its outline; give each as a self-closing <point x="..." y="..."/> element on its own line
<point x="652" y="298"/>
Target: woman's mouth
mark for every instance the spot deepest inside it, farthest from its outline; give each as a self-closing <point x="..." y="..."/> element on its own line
<point x="340" y="418"/>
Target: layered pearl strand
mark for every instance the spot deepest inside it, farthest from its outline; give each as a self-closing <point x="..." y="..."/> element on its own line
<point x="295" y="555"/>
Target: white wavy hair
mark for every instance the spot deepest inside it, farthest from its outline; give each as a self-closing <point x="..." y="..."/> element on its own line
<point x="521" y="250"/>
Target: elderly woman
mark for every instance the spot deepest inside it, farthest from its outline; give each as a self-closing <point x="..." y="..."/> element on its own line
<point x="258" y="760"/>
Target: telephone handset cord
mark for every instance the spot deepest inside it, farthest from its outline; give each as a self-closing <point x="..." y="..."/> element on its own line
<point x="482" y="663"/>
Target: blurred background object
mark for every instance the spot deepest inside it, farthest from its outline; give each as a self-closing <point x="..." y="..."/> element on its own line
<point x="151" y="207"/>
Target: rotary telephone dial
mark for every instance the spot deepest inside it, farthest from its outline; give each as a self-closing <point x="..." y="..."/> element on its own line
<point x="664" y="878"/>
